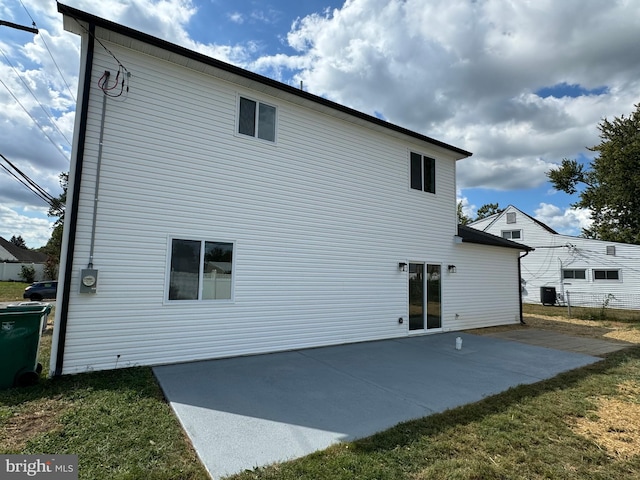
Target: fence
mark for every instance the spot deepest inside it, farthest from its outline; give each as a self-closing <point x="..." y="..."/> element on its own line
<point x="602" y="300"/>
<point x="10" y="271"/>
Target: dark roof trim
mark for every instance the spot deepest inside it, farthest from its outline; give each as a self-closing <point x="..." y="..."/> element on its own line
<point x="471" y="235"/>
<point x="172" y="47"/>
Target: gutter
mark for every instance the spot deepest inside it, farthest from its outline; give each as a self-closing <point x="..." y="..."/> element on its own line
<point x="520" y="285"/>
<point x="71" y="223"/>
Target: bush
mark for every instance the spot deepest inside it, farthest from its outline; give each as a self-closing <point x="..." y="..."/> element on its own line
<point x="28" y="274"/>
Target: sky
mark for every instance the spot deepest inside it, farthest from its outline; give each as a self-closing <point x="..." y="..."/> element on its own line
<point x="520" y="83"/>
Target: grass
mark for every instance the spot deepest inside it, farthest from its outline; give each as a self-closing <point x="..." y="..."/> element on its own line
<point x="584" y="313"/>
<point x="581" y="424"/>
<point x="12" y="291"/>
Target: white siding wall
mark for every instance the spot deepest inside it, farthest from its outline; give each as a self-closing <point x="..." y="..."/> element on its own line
<point x="484" y="290"/>
<point x="553" y="252"/>
<point x="320" y="221"/>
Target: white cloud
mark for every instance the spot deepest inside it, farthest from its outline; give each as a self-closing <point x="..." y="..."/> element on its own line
<point x="35" y="231"/>
<point x="568" y="221"/>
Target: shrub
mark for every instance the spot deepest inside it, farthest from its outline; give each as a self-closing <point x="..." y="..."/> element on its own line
<point x="28" y="274"/>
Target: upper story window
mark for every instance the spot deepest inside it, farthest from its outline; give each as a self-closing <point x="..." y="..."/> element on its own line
<point x="257" y="119"/>
<point x="423" y="173"/>
<point x="511" y="217"/>
<point x="606" y="274"/>
<point x="512" y="234"/>
<point x="200" y="270"/>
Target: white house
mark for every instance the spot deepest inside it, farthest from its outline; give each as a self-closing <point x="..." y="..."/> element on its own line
<point x="13" y="258"/>
<point x="215" y="212"/>
<point x="563" y="268"/>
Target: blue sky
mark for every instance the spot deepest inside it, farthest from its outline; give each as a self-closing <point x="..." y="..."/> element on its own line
<point x="522" y="85"/>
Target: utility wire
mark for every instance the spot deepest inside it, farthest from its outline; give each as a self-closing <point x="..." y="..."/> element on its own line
<point x="36" y="122"/>
<point x="26" y="85"/>
<point x="32" y="186"/>
<point x="33" y="22"/>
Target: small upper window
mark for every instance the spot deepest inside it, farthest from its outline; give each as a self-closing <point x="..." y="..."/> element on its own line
<point x="606" y="274"/>
<point x="611" y="249"/>
<point x="257" y="119"/>
<point x="423" y="173"/>
<point x="512" y="234"/>
<point x="511" y="217"/>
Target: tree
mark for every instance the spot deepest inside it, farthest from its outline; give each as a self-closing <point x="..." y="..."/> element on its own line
<point x="611" y="185"/>
<point x="487" y="210"/>
<point x="462" y="218"/>
<point x="18" y="241"/>
<point x="54" y="245"/>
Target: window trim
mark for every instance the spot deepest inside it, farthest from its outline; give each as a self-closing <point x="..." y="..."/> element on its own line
<point x="425" y="161"/>
<point x="208" y="301"/>
<point x="606" y="270"/>
<point x="511" y="234"/>
<point x="256" y="136"/>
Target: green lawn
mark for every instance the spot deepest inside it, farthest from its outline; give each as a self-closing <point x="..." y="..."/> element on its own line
<point x="12" y="291"/>
<point x="583" y="424"/>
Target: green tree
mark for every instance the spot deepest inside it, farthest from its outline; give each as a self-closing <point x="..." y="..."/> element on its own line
<point x="18" y="241"/>
<point x="462" y="218"/>
<point x="54" y="245"/>
<point x="611" y="185"/>
<point x="487" y="210"/>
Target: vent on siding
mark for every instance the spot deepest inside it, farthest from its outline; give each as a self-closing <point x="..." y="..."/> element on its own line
<point x="611" y="250"/>
<point x="511" y="217"/>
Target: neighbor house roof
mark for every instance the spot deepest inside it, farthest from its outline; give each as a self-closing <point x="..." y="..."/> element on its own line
<point x="12" y="253"/>
<point x="471" y="235"/>
<point x="339" y="110"/>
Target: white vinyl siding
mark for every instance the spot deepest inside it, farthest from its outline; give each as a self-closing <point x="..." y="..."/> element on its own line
<point x="318" y="222"/>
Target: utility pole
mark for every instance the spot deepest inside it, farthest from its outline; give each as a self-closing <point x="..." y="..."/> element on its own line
<point x="18" y="27"/>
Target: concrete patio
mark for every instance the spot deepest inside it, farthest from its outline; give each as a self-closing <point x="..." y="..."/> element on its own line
<point x="252" y="411"/>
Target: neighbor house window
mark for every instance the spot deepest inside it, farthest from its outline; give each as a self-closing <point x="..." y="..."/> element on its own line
<point x="257" y="119"/>
<point x="574" y="274"/>
<point x="511" y="217"/>
<point x="200" y="270"/>
<point x="423" y="173"/>
<point x="512" y="234"/>
<point x="606" y="274"/>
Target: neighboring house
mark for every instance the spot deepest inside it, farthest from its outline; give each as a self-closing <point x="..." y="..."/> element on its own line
<point x="213" y="212"/>
<point x="571" y="269"/>
<point x="13" y="258"/>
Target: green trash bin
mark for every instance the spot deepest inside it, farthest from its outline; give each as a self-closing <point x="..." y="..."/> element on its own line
<point x="20" y="329"/>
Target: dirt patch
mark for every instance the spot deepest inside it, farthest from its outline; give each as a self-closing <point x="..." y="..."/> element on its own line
<point x="615" y="425"/>
<point x="572" y="326"/>
<point x="32" y="419"/>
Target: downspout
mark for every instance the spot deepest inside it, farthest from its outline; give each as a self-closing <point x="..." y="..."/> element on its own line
<point x="520" y="285"/>
<point x="71" y="223"/>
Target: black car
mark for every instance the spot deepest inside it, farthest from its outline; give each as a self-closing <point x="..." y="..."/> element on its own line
<point x="41" y="290"/>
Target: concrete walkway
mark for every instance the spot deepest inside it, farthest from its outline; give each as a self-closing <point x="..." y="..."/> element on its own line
<point x="252" y="411"/>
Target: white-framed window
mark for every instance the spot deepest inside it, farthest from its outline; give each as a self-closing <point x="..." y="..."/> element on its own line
<point x="200" y="270"/>
<point x="423" y="173"/>
<point x="574" y="274"/>
<point x="512" y="234"/>
<point x="256" y="119"/>
<point x="599" y="275"/>
<point x="511" y="217"/>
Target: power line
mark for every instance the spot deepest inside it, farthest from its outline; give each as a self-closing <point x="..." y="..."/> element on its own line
<point x="26" y="85"/>
<point x="35" y="121"/>
<point x="26" y="181"/>
<point x="33" y="22"/>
